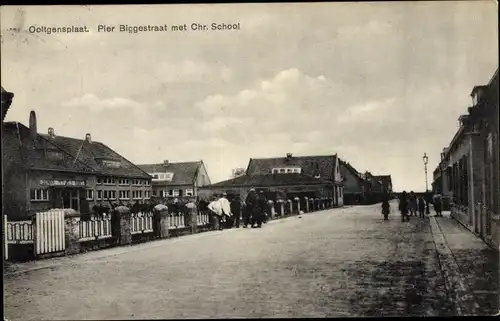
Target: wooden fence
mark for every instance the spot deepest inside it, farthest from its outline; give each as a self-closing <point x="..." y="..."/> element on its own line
<point x="50" y="235"/>
<point x="141" y="223"/>
<point x="98" y="227"/>
<point x="202" y="219"/>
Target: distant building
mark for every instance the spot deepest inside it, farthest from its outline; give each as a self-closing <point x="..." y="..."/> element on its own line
<point x="44" y="171"/>
<point x="177" y="180"/>
<point x="386" y="181"/>
<point x="354" y="185"/>
<point x="290" y="176"/>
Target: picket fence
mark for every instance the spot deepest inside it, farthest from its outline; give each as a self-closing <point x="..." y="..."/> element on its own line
<point x="46" y="231"/>
<point x="141" y="223"/>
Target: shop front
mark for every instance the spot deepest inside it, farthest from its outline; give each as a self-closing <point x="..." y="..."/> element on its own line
<point x="62" y="192"/>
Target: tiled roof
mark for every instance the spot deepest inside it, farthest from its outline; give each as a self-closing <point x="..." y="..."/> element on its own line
<point x="20" y="147"/>
<point x="91" y="153"/>
<point x="184" y="172"/>
<point x="6" y="98"/>
<point x="346" y="166"/>
<point x="311" y="165"/>
<point x="270" y="180"/>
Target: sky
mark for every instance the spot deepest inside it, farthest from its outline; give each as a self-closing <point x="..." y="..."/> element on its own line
<point x="379" y="84"/>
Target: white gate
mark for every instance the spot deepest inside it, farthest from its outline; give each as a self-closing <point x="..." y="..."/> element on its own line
<point x="16" y="232"/>
<point x="50" y="231"/>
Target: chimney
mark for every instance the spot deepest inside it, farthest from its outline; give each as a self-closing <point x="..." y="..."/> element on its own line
<point x="88" y="138"/>
<point x="33" y="131"/>
<point x="52" y="134"/>
<point x="288" y="155"/>
<point x="165" y="162"/>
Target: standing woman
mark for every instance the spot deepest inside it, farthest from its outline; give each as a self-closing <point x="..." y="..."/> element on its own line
<point x="403" y="207"/>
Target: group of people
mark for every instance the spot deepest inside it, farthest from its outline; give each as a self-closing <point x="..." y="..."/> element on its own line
<point x="228" y="214"/>
<point x="410" y="204"/>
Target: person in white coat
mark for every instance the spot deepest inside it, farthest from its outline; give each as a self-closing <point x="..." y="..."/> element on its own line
<point x="226" y="208"/>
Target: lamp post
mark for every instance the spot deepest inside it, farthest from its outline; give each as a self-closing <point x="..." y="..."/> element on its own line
<point x="426" y="160"/>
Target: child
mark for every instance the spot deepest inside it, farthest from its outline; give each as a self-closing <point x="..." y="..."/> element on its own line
<point x="386" y="209"/>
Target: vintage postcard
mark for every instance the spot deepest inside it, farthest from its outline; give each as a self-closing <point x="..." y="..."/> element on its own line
<point x="261" y="160"/>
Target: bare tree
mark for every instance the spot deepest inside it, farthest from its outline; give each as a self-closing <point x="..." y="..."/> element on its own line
<point x="239" y="171"/>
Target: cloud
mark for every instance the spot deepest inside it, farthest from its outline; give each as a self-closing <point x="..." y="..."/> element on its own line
<point x="96" y="104"/>
<point x="188" y="71"/>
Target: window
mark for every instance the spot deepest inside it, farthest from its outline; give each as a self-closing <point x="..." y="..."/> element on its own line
<point x="136" y="194"/>
<point x="124" y="194"/>
<point x="136" y="182"/>
<point x="189" y="192"/>
<point x="147" y="194"/>
<point x="164" y="193"/>
<point x="275" y="171"/>
<point x="111" y="163"/>
<point x="155" y="176"/>
<point x="90" y="194"/>
<point x="123" y="181"/>
<point x="108" y="181"/>
<point x="99" y="195"/>
<point x="181" y="192"/>
<point x="289" y="170"/>
<point x="175" y="192"/>
<point x="154" y="193"/>
<point x="38" y="194"/>
<point x="282" y="170"/>
<point x="148" y="182"/>
<point x="110" y="195"/>
<point x="99" y="180"/>
<point x="171" y="193"/>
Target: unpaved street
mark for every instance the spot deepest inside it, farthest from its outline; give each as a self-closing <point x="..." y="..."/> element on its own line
<point x="339" y="262"/>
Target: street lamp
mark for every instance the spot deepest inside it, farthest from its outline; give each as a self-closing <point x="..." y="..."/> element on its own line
<point x="426" y="160"/>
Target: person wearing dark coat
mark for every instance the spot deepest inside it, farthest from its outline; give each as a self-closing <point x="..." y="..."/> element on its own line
<point x="262" y="209"/>
<point x="421" y="207"/>
<point x="404" y="207"/>
<point x="386" y="207"/>
<point x="236" y="210"/>
<point x="250" y="208"/>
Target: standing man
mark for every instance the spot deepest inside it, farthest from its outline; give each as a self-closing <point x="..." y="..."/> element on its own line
<point x="250" y="208"/>
<point x="236" y="210"/>
<point x="262" y="209"/>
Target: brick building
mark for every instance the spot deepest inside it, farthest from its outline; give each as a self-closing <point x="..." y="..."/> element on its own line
<point x="287" y="177"/>
<point x="469" y="169"/>
<point x="44" y="171"/>
<point x="355" y="187"/>
<point x="179" y="180"/>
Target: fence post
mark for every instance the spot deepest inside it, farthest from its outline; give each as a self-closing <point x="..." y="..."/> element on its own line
<point x="306" y="204"/>
<point x="72" y="231"/>
<point x="270" y="206"/>
<point x="160" y="212"/>
<point x="123" y="217"/>
<point x="193" y="217"/>
<point x="279" y="208"/>
<point x="5" y="240"/>
<point x="297" y="201"/>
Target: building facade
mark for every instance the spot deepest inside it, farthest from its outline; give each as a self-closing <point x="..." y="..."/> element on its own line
<point x="180" y="180"/>
<point x="286" y="178"/>
<point x="469" y="170"/>
<point x="354" y="185"/>
<point x="45" y="171"/>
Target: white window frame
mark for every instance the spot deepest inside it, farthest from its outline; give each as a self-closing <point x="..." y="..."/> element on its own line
<point x="41" y="195"/>
<point x="175" y="193"/>
<point x="90" y="194"/>
<point x="189" y="192"/>
<point x="99" y="197"/>
<point x="170" y="192"/>
<point x="147" y="195"/>
<point x="111" y="194"/>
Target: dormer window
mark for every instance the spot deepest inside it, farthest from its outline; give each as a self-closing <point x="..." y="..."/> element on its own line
<point x="110" y="163"/>
<point x="284" y="170"/>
